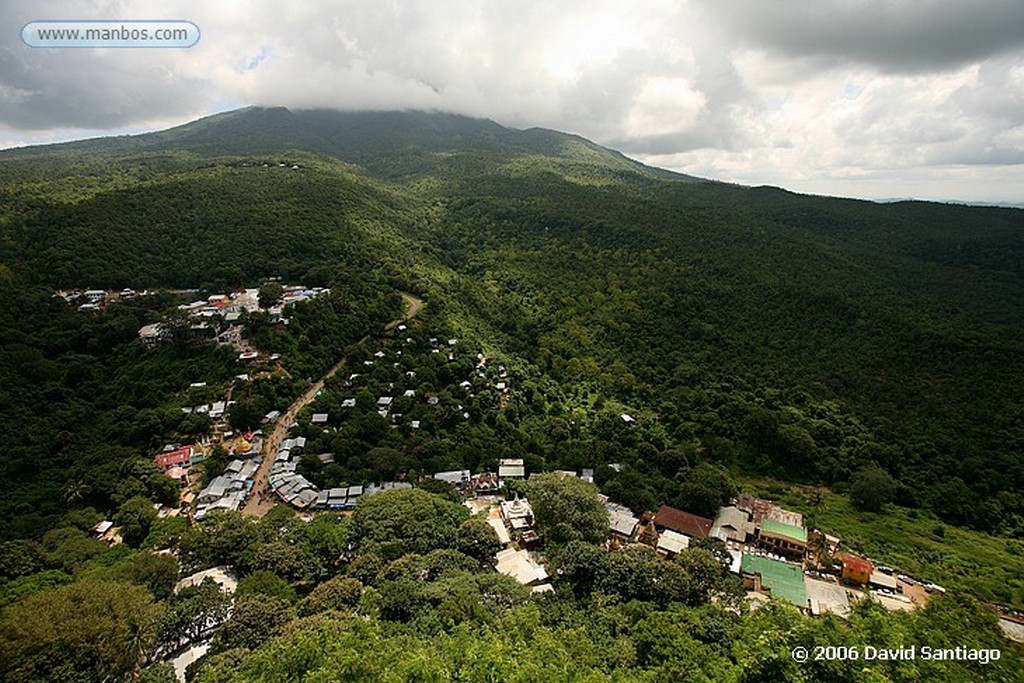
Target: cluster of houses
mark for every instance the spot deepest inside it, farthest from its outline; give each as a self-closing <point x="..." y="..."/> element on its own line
<point x="227" y="491"/>
<point x="295" y="490"/>
<point x="96" y="299"/>
<point x="294" y="294"/>
<point x="217" y="317"/>
<point x="768" y="546"/>
<point x="388" y="404"/>
<point x="217" y="411"/>
<point x="512" y="521"/>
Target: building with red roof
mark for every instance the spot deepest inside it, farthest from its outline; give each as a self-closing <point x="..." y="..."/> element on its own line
<point x="177" y="458"/>
<point x="855" y="568"/>
<point x="682" y="522"/>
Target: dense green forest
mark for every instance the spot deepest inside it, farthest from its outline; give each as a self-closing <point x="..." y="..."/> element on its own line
<point x="403" y="590"/>
<point x="804" y="337"/>
<point x="750" y="332"/>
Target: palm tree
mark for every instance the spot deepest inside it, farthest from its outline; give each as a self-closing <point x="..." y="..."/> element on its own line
<point x="75" y="491"/>
<point x="141" y="636"/>
<point x="818" y="544"/>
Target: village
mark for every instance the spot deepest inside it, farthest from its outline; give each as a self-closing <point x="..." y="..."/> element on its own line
<point x="769" y="547"/>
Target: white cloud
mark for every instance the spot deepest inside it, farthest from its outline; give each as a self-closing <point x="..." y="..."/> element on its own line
<point x="838" y="97"/>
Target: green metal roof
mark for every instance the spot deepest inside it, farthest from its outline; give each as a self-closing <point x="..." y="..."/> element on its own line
<point x="784" y="580"/>
<point x="780" y="529"/>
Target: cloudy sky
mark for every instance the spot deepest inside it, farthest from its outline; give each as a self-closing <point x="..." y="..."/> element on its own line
<point x="862" y="98"/>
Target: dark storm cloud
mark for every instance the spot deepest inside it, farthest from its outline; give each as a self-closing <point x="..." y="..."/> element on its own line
<point x="41" y="89"/>
<point x="740" y="89"/>
<point x="921" y="36"/>
<point x="87" y="91"/>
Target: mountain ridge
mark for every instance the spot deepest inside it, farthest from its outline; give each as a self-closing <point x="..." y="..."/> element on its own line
<point x="352" y="136"/>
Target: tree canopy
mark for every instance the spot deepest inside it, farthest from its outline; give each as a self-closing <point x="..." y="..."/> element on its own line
<point x="567" y="509"/>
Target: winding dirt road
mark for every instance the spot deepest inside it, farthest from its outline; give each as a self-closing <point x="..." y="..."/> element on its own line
<point x="262" y="499"/>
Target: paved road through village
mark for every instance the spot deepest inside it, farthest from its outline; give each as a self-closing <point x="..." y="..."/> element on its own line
<point x="262" y="499"/>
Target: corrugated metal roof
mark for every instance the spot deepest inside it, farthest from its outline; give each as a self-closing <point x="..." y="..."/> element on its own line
<point x="784" y="580"/>
<point x="781" y="529"/>
<point x="682" y="522"/>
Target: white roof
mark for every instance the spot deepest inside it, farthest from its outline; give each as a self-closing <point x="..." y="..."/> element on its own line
<point x="319" y="418"/>
<point x="499" y="528"/>
<point x="673" y="542"/>
<point x="883" y="580"/>
<point x="220" y="575"/>
<point x="519" y="565"/>
<point x="622" y="521"/>
<point x="511" y="468"/>
<point x="453" y="476"/>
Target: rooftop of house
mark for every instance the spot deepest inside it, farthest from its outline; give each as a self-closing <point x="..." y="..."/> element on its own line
<point x="784" y="580"/>
<point x="520" y="566"/>
<point x="175" y="457"/>
<point x="856" y="563"/>
<point x="733" y="524"/>
<point x="500" y="530"/>
<point x="883" y="580"/>
<point x="682" y="522"/>
<point x="761" y="509"/>
<point x="672" y="542"/>
<point x="622" y="521"/>
<point x="454" y="476"/>
<point x="776" y="528"/>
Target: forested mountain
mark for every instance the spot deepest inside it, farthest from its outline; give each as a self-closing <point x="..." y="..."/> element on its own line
<point x="751" y="332"/>
<point x="804" y="336"/>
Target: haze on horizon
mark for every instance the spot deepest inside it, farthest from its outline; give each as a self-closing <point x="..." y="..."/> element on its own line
<point x="858" y="98"/>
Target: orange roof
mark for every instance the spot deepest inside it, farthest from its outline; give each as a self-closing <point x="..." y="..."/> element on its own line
<point x="856" y="564"/>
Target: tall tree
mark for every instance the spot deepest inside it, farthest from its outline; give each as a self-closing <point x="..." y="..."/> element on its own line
<point x="87" y="631"/>
<point x="872" y="488"/>
<point x="567" y="509"/>
<point x="135" y="517"/>
<point x="401" y="521"/>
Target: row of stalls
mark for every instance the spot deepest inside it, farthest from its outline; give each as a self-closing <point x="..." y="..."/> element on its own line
<point x="230" y="490"/>
<point x="294" y="489"/>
